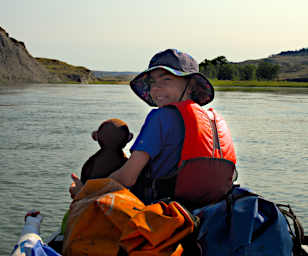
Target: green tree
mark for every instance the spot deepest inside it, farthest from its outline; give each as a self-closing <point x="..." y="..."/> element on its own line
<point x="210" y="68"/>
<point x="210" y="71"/>
<point x="203" y="65"/>
<point x="227" y="72"/>
<point x="267" y="71"/>
<point x="247" y="72"/>
<point x="220" y="60"/>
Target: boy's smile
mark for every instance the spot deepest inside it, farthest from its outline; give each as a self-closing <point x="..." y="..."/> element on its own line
<point x="166" y="88"/>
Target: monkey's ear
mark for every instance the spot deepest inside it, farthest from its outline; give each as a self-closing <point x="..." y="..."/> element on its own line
<point x="94" y="135"/>
<point x="130" y="137"/>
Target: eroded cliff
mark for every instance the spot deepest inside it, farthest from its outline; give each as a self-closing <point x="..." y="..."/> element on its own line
<point x="17" y="64"/>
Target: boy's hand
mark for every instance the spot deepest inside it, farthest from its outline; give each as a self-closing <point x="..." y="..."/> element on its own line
<point x="76" y="185"/>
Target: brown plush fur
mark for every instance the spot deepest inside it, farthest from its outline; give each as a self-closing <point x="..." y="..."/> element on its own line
<point x="112" y="136"/>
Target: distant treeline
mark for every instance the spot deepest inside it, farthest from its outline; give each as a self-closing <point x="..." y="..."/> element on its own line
<point x="301" y="52"/>
<point x="220" y="68"/>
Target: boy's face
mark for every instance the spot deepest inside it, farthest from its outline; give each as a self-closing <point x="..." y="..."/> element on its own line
<point x="167" y="88"/>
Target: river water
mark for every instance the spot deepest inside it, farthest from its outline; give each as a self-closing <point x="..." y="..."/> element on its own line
<point x="45" y="135"/>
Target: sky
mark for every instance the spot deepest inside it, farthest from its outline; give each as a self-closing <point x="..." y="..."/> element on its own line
<point x="122" y="35"/>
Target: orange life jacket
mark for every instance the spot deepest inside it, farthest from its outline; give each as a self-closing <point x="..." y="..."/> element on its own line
<point x="206" y="133"/>
<point x="206" y="168"/>
<point x="208" y="159"/>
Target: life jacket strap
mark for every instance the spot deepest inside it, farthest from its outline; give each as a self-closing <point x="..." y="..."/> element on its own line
<point x="216" y="143"/>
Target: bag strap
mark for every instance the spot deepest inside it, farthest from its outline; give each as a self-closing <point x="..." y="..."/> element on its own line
<point x="298" y="234"/>
<point x="298" y="228"/>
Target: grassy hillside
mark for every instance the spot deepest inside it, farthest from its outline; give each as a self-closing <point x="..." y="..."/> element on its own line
<point x="68" y="73"/>
<point x="292" y="67"/>
<point x="76" y="74"/>
<point x="114" y="76"/>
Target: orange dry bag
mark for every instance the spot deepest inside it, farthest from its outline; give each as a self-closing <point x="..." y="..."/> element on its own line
<point x="106" y="216"/>
<point x="96" y="218"/>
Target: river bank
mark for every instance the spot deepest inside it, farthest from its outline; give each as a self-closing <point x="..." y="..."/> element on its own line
<point x="231" y="83"/>
<point x="245" y="86"/>
<point x="254" y="83"/>
<point x="261" y="86"/>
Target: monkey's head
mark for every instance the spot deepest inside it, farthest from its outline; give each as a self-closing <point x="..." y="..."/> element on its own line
<point x="112" y="133"/>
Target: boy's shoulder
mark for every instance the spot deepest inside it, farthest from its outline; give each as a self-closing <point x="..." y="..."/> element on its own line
<point x="164" y="119"/>
<point x="165" y="112"/>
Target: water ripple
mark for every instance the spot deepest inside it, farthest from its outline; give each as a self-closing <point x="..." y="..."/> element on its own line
<point x="45" y="135"/>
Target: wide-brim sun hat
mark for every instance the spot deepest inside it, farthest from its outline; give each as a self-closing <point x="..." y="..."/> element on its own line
<point x="179" y="64"/>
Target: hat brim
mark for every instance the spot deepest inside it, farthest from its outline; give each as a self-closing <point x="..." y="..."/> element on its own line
<point x="203" y="90"/>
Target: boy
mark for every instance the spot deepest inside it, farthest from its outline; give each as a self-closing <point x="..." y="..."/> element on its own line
<point x="176" y="135"/>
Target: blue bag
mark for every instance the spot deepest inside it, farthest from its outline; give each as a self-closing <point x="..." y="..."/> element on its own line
<point x="243" y="224"/>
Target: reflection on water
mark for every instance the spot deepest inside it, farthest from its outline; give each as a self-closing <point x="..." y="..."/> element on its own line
<point x="45" y="135"/>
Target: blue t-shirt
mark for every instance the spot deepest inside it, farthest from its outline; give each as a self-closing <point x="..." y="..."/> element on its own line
<point x="162" y="136"/>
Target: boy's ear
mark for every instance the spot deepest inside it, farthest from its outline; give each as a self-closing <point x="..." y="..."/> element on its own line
<point x="130" y="137"/>
<point x="191" y="86"/>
